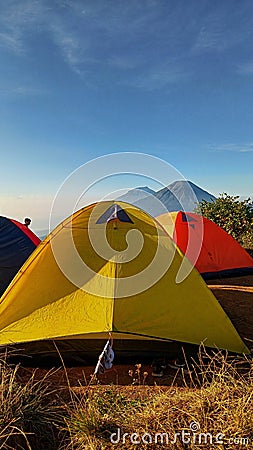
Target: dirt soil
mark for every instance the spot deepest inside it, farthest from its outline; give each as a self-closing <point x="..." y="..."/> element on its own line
<point x="235" y="296"/>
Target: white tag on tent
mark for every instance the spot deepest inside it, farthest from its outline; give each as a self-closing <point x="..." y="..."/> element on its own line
<point x="105" y="360"/>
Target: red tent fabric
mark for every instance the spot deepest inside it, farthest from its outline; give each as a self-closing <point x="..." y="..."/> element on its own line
<point x="209" y="248"/>
<point x="27" y="232"/>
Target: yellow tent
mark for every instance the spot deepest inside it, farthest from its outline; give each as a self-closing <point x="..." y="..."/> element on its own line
<point x="111" y="268"/>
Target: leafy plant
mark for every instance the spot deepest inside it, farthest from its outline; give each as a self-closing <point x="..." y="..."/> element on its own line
<point x="235" y="216"/>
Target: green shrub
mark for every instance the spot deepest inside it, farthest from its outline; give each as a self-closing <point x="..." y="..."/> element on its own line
<point x="235" y="216"/>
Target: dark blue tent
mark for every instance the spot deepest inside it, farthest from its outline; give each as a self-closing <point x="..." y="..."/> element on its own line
<point x="17" y="242"/>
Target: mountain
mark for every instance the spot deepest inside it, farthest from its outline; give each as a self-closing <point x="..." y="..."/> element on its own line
<point x="183" y="195"/>
<point x="144" y="198"/>
<point x="42" y="233"/>
<point x="136" y="194"/>
<point x="179" y="195"/>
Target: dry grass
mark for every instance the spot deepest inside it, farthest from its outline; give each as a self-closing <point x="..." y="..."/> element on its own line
<point x="28" y="412"/>
<point x="214" y="396"/>
<point x="218" y="401"/>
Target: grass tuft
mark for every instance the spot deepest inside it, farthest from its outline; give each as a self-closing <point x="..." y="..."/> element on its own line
<point x="217" y="402"/>
<point x="212" y="398"/>
<point x="28" y="413"/>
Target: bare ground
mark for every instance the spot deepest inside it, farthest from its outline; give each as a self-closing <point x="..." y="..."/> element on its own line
<point x="236" y="297"/>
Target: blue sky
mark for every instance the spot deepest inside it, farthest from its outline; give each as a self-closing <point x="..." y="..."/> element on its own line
<point x="82" y="79"/>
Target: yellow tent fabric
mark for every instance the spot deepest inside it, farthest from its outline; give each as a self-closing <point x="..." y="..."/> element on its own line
<point x="77" y="284"/>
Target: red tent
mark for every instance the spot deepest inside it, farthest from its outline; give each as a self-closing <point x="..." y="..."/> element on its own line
<point x="209" y="248"/>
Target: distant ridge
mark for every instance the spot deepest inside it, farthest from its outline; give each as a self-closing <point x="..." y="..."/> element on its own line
<point x="42" y="233"/>
<point x="136" y="194"/>
<point x="179" y="195"/>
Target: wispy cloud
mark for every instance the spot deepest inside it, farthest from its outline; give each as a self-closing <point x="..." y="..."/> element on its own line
<point x="151" y="44"/>
<point x="21" y="91"/>
<point x="124" y="62"/>
<point x="16" y="20"/>
<point x="88" y="34"/>
<point x="223" y="26"/>
<point x="69" y="44"/>
<point x="19" y="22"/>
<point x="209" y="39"/>
<point x="161" y="76"/>
<point x="245" y="68"/>
<point x="12" y="42"/>
<point x="237" y="148"/>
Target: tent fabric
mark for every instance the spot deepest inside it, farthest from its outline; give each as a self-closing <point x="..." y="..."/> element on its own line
<point x="17" y="242"/>
<point x="29" y="233"/>
<point x="210" y="249"/>
<point x="44" y="303"/>
<point x="114" y="212"/>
